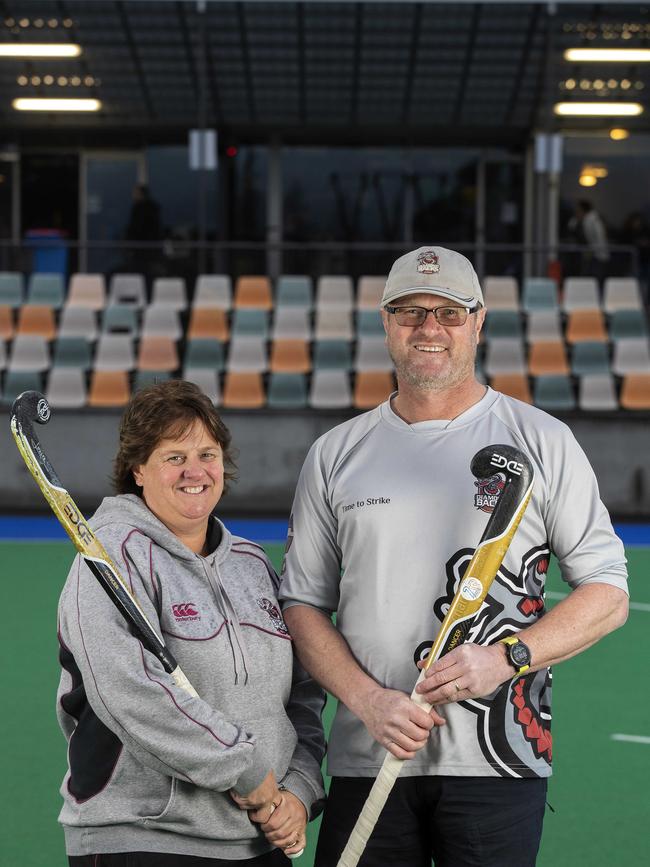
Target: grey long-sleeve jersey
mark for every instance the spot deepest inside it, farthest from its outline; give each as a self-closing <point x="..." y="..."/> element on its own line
<point x="385" y="519"/>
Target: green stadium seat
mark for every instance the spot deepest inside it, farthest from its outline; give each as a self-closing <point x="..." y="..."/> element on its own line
<point x="204" y="353"/>
<point x="332" y="355"/>
<point x="553" y="393"/>
<point x="12" y="289"/>
<point x="539" y="293"/>
<point x="17" y="381"/>
<point x="590" y="357"/>
<point x="46" y="289"/>
<point x="250" y="323"/>
<point x="143" y="378"/>
<point x="369" y="323"/>
<point x="624" y="324"/>
<point x="294" y="290"/>
<point x="72" y="352"/>
<point x="502" y="323"/>
<point x="120" y="319"/>
<point x="287" y="391"/>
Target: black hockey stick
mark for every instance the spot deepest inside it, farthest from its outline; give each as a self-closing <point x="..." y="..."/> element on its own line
<point x="517" y="473"/>
<point x="31" y="407"/>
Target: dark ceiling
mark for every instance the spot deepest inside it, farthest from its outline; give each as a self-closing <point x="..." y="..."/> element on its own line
<point x="314" y="72"/>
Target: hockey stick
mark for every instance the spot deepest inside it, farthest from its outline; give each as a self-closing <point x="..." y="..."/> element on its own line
<point x="29" y="407"/>
<point x="517" y="472"/>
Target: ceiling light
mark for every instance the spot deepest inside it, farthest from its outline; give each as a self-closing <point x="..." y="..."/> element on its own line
<point x="608" y="55"/>
<point x="587" y="181"/>
<point x="596" y="171"/>
<point x="618" y="133"/>
<point x="598" y="109"/>
<point x="56" y="104"/>
<point x="35" y="49"/>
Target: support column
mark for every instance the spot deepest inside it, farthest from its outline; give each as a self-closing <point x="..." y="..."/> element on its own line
<point x="274" y="228"/>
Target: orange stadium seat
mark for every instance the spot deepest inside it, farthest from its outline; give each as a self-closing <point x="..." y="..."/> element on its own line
<point x="208" y="322"/>
<point x="243" y="391"/>
<point x="290" y="356"/>
<point x="514" y="385"/>
<point x="547" y="357"/>
<point x="635" y="391"/>
<point x="109" y="388"/>
<point x="372" y="388"/>
<point x="586" y="325"/>
<point x="37" y="319"/>
<point x="253" y="292"/>
<point x="158" y="353"/>
<point x="6" y="322"/>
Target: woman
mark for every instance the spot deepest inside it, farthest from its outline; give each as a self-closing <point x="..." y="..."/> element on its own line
<point x="157" y="778"/>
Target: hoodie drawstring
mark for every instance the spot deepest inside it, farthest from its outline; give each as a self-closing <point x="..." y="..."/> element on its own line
<point x="232" y="621"/>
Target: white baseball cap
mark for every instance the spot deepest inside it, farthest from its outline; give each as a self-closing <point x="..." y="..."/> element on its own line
<point x="436" y="271"/>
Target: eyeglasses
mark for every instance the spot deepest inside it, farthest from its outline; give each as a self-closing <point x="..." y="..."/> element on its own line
<point x="412" y="317"/>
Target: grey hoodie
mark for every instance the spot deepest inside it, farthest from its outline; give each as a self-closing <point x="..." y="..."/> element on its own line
<point x="149" y="766"/>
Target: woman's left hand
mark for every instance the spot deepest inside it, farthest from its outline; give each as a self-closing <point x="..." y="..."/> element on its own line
<point x="286" y="827"/>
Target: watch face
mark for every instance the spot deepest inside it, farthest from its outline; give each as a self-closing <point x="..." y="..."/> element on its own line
<point x="520" y="654"/>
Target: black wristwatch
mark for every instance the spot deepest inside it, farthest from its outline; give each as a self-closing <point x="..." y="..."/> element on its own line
<point x="517" y="653"/>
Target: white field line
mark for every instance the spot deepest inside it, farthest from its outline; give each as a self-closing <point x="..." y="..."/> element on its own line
<point x="634" y="606"/>
<point x="631" y="739"/>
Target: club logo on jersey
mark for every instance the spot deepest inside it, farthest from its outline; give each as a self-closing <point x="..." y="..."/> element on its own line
<point x="488" y="492"/>
<point x="428" y="262"/>
<point x="274" y="613"/>
<point x="43" y="410"/>
<point x="184" y="611"/>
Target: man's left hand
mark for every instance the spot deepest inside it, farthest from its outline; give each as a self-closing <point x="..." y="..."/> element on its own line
<point x="286" y="826"/>
<point x="468" y="671"/>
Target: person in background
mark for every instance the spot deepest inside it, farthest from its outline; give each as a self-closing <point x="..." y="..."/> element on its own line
<point x="589" y="227"/>
<point x="157" y="778"/>
<point x="144" y="225"/>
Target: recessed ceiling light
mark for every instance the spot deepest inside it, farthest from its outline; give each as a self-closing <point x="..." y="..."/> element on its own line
<point x="587" y="181"/>
<point x="619" y="134"/>
<point x="598" y="109"/>
<point x="22" y="104"/>
<point x="608" y="55"/>
<point x="35" y="49"/>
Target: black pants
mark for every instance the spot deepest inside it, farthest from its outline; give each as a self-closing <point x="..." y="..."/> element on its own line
<point x="276" y="858"/>
<point x="457" y="821"/>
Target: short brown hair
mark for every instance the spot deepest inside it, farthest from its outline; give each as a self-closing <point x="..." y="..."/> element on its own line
<point x="165" y="410"/>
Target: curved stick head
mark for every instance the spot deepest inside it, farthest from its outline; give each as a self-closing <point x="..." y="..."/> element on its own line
<point x="510" y="461"/>
<point x="31" y="406"/>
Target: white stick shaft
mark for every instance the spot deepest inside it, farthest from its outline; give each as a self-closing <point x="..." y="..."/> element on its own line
<point x="381" y="789"/>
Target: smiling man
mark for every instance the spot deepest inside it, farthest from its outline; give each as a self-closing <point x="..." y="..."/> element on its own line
<point x="385" y="518"/>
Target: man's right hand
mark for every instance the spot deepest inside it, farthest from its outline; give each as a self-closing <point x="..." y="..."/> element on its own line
<point x="265" y="797"/>
<point x="397" y="723"/>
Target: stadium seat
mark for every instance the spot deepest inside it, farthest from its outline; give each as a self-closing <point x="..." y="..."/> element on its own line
<point x="292" y="323"/>
<point x="580" y="293"/>
<point x="6" y="322"/>
<point x="161" y="322"/>
<point x="539" y="293"/>
<point x="3" y="355"/>
<point x="585" y="325"/>
<point x="72" y="352"/>
<point x="372" y="354"/>
<point x="597" y="392"/>
<point x="513" y="384"/>
<point x="334" y="325"/>
<point x="290" y="356"/>
<point x="332" y="355"/>
<point x="369" y="292"/>
<point x="631" y="356"/>
<point x="543" y="325"/>
<point x="66" y="387"/>
<point x="334" y="293"/>
<point x="12" y="289"/>
<point x="635" y="391"/>
<point x="501" y="293"/>
<point x="206" y="379"/>
<point x="120" y="319"/>
<point x="145" y="377"/>
<point x="78" y="322"/>
<point x="621" y="293"/>
<point x="114" y="352"/>
<point x="247" y="355"/>
<point x="372" y="388"/>
<point x="87" y="290"/>
<point x="37" y="319"/>
<point x="330" y="389"/>
<point x="243" y="391"/>
<point x="169" y="292"/>
<point x="502" y="323"/>
<point x="553" y="393"/>
<point x="208" y="322"/>
<point x="624" y="324"/>
<point x="505" y="356"/>
<point x="294" y="290"/>
<point x="287" y="391"/>
<point x="547" y="358"/>
<point x="158" y="353"/>
<point x="128" y="289"/>
<point x="17" y="381"/>
<point x="250" y="323"/>
<point x="204" y="354"/>
<point x="369" y="323"/>
<point x="109" y="388"/>
<point x="590" y="358"/>
<point x="46" y="289"/>
<point x="253" y="292"/>
<point x="28" y="353"/>
<point x="213" y="290"/>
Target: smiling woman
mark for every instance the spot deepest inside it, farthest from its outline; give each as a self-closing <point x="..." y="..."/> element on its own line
<point x="231" y="775"/>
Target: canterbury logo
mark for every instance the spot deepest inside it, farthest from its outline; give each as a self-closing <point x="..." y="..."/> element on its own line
<point x="185" y="611"/>
<point x="503" y="463"/>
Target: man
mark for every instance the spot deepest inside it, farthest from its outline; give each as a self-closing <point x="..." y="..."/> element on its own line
<point x="385" y="519"/>
<point x="589" y="225"/>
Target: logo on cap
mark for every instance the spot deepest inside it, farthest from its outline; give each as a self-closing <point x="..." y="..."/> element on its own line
<point x="428" y="262"/>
